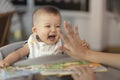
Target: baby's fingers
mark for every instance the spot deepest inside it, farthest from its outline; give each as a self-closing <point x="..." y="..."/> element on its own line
<point x="85" y="44"/>
<point x="2" y="64"/>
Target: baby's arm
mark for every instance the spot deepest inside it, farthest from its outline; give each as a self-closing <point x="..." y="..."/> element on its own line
<point x="85" y="44"/>
<point x="15" y="56"/>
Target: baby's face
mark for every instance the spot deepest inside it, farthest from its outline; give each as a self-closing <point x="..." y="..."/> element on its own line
<point x="47" y="28"/>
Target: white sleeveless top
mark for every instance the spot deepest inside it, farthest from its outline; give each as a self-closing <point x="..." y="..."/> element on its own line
<point x="38" y="49"/>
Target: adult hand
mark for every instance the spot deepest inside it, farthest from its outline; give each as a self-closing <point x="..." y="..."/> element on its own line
<point x="83" y="73"/>
<point x="72" y="42"/>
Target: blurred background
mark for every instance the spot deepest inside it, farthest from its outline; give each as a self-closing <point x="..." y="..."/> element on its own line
<point x="98" y="22"/>
<point x="96" y="19"/>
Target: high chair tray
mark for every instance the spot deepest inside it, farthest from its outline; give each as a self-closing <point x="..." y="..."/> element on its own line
<point x="47" y="66"/>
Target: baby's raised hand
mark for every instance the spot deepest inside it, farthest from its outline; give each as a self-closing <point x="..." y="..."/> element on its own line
<point x="3" y="64"/>
<point x="85" y="44"/>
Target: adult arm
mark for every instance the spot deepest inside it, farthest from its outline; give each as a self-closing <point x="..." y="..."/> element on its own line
<point x="72" y="46"/>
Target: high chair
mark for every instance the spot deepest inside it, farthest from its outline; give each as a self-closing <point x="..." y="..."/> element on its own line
<point x="7" y="49"/>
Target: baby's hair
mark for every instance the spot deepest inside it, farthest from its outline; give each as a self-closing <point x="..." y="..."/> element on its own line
<point x="45" y="9"/>
<point x="48" y="9"/>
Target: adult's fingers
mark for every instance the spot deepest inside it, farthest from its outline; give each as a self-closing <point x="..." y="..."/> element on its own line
<point x="80" y="69"/>
<point x="89" y="70"/>
<point x="84" y="69"/>
<point x="76" y="76"/>
<point x="68" y="29"/>
<point x="62" y="36"/>
<point x="77" y="73"/>
<point x="77" y="33"/>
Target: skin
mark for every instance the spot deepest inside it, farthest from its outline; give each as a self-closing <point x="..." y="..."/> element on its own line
<point x="73" y="48"/>
<point x="83" y="73"/>
<point x="15" y="56"/>
<point x="48" y="24"/>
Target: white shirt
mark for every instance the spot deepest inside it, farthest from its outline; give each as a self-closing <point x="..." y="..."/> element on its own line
<point x="38" y="49"/>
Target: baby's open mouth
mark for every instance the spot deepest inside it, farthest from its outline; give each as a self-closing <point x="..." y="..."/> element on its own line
<point x="51" y="37"/>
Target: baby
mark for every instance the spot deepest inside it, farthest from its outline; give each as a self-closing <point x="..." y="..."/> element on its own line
<point x="44" y="40"/>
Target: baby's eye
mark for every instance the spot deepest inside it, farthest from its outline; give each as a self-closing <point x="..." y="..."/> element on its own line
<point x="47" y="26"/>
<point x="58" y="26"/>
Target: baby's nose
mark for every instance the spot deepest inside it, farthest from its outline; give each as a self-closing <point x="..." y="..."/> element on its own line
<point x="53" y="29"/>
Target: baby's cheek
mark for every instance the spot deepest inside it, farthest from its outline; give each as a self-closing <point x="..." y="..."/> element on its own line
<point x="58" y="37"/>
<point x="59" y="29"/>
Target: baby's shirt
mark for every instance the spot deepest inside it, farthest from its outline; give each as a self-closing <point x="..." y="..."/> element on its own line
<point x="38" y="49"/>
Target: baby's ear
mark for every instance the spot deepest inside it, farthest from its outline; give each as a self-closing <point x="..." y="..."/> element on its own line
<point x="34" y="30"/>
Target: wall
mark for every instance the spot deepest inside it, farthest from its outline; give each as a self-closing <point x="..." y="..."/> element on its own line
<point x="83" y="20"/>
<point x="114" y="31"/>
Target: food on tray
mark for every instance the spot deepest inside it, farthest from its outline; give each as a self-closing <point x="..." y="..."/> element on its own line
<point x="58" y="68"/>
